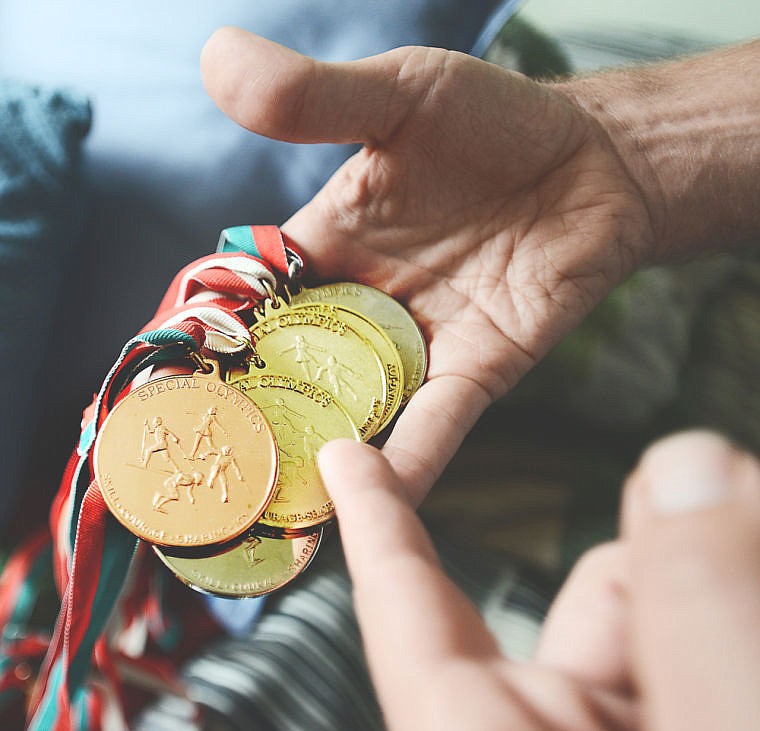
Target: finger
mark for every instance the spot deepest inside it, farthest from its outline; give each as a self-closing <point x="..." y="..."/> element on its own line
<point x="674" y="449"/>
<point x="411" y="615"/>
<point x="585" y="633"/>
<point x="695" y="573"/>
<point x="282" y="94"/>
<point x="431" y="429"/>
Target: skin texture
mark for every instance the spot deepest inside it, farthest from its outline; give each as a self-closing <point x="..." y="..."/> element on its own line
<point x="688" y="132"/>
<point x="498" y="211"/>
<point x="655" y="632"/>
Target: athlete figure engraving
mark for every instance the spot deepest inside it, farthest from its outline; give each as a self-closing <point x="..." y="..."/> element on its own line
<point x="312" y="441"/>
<point x="334" y="374"/>
<point x="290" y="473"/>
<point x="159" y="443"/>
<point x="250" y="544"/>
<point x="204" y="432"/>
<point x="218" y="472"/>
<point x="279" y="413"/>
<point x="170" y="492"/>
<point x="303" y="354"/>
<point x="292" y="467"/>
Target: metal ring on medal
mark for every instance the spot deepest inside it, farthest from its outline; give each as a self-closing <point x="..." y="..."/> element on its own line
<point x="304" y="418"/>
<point x="256" y="566"/>
<point x="314" y="344"/>
<point x="186" y="460"/>
<point x="386" y="351"/>
<point x="389" y="314"/>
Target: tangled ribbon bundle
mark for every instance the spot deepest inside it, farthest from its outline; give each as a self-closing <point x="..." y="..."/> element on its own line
<point x="116" y="634"/>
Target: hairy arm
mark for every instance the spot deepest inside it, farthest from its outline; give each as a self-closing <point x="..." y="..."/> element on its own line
<point x="689" y="133"/>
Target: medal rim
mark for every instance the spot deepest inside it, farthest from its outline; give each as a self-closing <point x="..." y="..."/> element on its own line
<point x="411" y="384"/>
<point x="390" y="408"/>
<point x="188" y="581"/>
<point x="289" y="528"/>
<point x="371" y="423"/>
<point x="229" y="535"/>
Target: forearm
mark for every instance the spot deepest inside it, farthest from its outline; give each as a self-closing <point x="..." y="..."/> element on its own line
<point x="689" y="133"/>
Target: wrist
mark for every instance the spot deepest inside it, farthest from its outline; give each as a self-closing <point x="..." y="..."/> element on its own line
<point x="688" y="134"/>
<point x="612" y="113"/>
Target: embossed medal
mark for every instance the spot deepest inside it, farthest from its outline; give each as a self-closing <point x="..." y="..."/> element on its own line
<point x="389" y="314"/>
<point x="304" y="418"/>
<point x="186" y="460"/>
<point x="386" y="351"/>
<point x="256" y="566"/>
<point x="312" y="343"/>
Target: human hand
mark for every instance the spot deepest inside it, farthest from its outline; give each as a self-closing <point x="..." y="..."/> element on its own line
<point x="493" y="207"/>
<point x="656" y="632"/>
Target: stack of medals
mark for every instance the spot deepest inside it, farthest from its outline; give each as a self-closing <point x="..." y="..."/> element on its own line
<point x="217" y="469"/>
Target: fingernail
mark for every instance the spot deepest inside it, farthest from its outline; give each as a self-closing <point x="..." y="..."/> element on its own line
<point x="688" y="472"/>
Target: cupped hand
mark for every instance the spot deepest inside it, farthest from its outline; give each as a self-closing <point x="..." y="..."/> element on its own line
<point x="655" y="632"/>
<point x="492" y="206"/>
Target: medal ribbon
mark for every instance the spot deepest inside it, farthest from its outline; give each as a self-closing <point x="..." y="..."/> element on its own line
<point x="262" y="242"/>
<point x="92" y="551"/>
<point x="236" y="279"/>
<point x="101" y="549"/>
<point x="224" y="331"/>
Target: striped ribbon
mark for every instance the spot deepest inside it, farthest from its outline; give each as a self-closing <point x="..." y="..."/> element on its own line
<point x="101" y="552"/>
<point x="224" y="331"/>
<point x="266" y="243"/>
<point x="93" y="555"/>
<point x="235" y="278"/>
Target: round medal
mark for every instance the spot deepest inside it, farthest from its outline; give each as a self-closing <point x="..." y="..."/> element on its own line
<point x="304" y="417"/>
<point x="258" y="565"/>
<point x="186" y="460"/>
<point x="389" y="314"/>
<point x="386" y="351"/>
<point x="312" y="343"/>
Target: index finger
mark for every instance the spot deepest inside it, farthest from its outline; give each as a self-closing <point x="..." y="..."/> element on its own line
<point x="412" y="617"/>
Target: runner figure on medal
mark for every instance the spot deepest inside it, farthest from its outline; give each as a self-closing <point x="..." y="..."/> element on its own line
<point x="279" y="414"/>
<point x="303" y="354"/>
<point x="160" y="442"/>
<point x="204" y="431"/>
<point x="313" y="441"/>
<point x="218" y="473"/>
<point x="250" y="544"/>
<point x="291" y="467"/>
<point x="333" y="372"/>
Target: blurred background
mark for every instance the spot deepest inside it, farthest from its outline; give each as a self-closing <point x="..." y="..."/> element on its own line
<point x="535" y="484"/>
<point x="712" y="21"/>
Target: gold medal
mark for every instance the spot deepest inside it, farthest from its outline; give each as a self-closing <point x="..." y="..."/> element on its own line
<point x="304" y="417"/>
<point x="258" y="565"/>
<point x="312" y="343"/>
<point x="186" y="460"/>
<point x="386" y="351"/>
<point x="389" y="314"/>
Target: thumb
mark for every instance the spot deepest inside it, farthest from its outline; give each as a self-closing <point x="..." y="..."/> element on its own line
<point x="693" y="521"/>
<point x="280" y="93"/>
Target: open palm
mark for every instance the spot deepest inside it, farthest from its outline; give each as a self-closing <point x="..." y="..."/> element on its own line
<point x="492" y="206"/>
